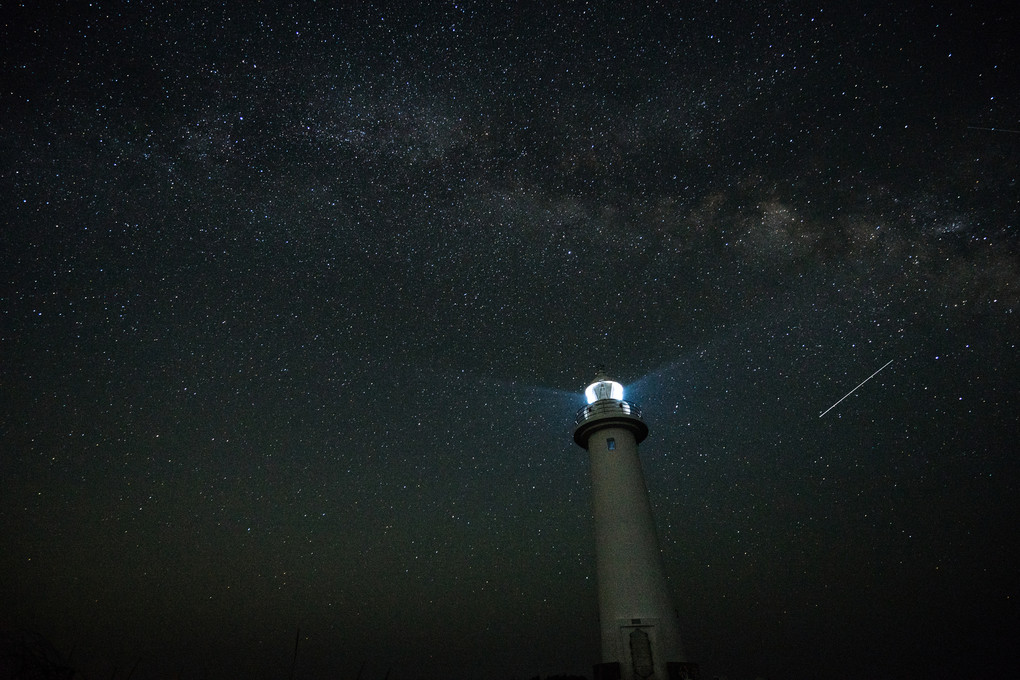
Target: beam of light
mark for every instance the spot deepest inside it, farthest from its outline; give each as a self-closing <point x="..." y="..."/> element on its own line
<point x="651" y="384"/>
<point x="855" y="389"/>
<point x="508" y="386"/>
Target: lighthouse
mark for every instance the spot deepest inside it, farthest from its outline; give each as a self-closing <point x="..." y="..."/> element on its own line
<point x="637" y="617"/>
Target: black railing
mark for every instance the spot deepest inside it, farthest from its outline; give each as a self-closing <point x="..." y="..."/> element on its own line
<point x="607" y="407"/>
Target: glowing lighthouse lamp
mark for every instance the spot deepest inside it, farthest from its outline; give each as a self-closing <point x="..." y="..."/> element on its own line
<point x="640" y="631"/>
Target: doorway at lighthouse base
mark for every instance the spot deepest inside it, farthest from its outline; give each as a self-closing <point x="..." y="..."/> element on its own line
<point x="636" y="646"/>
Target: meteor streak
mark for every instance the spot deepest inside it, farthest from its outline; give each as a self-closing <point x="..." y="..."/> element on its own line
<point x="854" y="389"/>
<point x="991" y="129"/>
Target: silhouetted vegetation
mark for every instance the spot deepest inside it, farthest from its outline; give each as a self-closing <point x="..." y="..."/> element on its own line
<point x="561" y="677"/>
<point x="25" y="655"/>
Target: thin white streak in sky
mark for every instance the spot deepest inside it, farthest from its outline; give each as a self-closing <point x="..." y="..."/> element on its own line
<point x="855" y="389"/>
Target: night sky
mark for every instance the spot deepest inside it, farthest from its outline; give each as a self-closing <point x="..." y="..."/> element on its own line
<point x="298" y="302"/>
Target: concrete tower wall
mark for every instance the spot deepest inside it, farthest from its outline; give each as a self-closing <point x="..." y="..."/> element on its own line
<point x="634" y="597"/>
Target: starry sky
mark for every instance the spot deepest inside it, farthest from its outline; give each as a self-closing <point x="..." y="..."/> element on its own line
<point x="298" y="302"/>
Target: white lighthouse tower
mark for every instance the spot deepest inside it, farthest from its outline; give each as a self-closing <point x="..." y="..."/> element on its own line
<point x="640" y="631"/>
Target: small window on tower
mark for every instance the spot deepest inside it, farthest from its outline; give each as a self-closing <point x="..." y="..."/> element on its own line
<point x="611" y="444"/>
